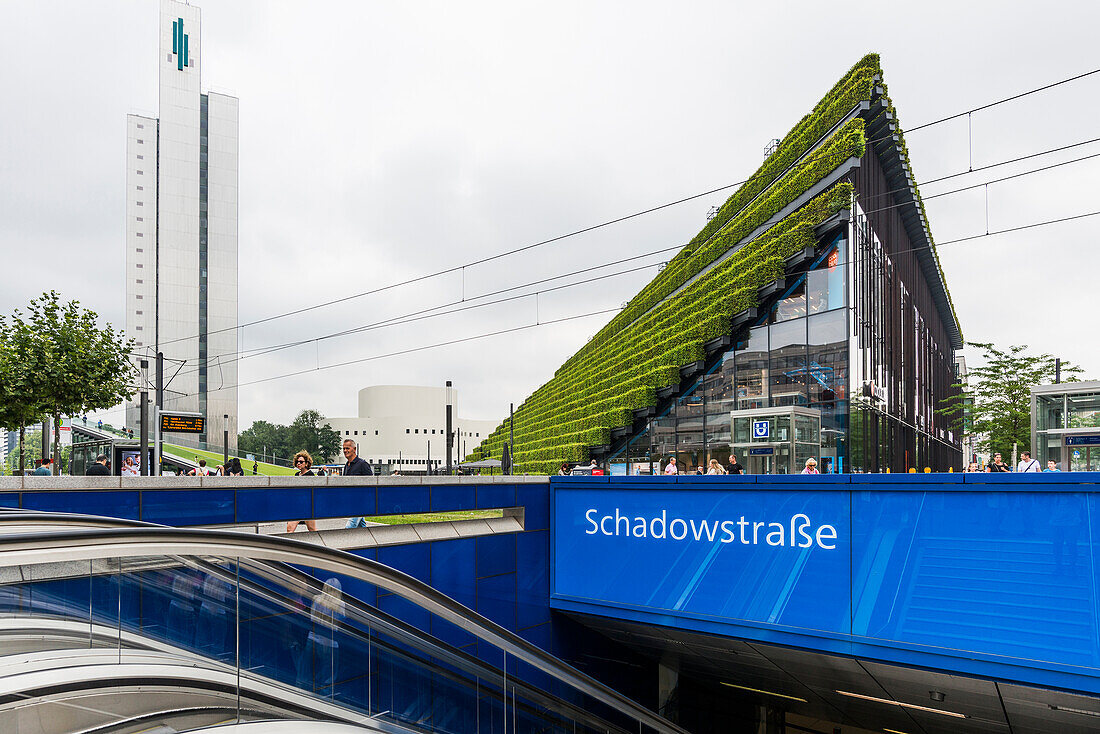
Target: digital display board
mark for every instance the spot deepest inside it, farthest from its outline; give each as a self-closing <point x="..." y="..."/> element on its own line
<point x="182" y="423"/>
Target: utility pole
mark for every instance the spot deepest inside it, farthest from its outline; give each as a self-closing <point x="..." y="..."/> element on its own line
<point x="225" y="440"/>
<point x="511" y="438"/>
<point x="143" y="420"/>
<point x="158" y="437"/>
<point x="429" y="471"/>
<point x="1057" y="370"/>
<point x="46" y="440"/>
<point x="450" y="434"/>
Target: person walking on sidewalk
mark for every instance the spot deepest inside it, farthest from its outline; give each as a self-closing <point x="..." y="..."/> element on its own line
<point x="355" y="467"/>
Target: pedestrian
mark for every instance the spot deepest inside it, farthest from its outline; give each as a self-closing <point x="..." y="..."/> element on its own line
<point x="972" y="468"/>
<point x="303" y="462"/>
<point x="255" y="468"/>
<point x="98" y="467"/>
<point x="670" y="468"/>
<point x="715" y="468"/>
<point x="233" y="468"/>
<point x="735" y="466"/>
<point x="1027" y="464"/>
<point x="202" y="471"/>
<point x="564" y="471"/>
<point x="355" y="467"/>
<point x="42" y="468"/>
<point x="811" y="467"/>
<point x="1052" y="465"/>
<point x="100" y="424"/>
<point x="699" y="471"/>
<point x="996" y="466"/>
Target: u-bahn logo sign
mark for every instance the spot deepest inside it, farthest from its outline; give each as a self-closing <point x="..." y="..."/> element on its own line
<point x="179" y="44"/>
<point x="761" y="429"/>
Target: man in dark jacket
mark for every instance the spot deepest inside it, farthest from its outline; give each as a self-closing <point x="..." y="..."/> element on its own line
<point x="99" y="468"/>
<point x="355" y="467"/>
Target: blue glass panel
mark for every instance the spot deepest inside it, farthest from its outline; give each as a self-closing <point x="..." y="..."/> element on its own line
<point x="532" y="578"/>
<point x="274" y="503"/>
<point x="496" y="599"/>
<point x="403" y="500"/>
<point x="535" y="500"/>
<point x="344" y="501"/>
<point x="406" y="611"/>
<point x="452" y="569"/>
<point x="496" y="554"/>
<point x="496" y="495"/>
<point x="109" y="504"/>
<point x="452" y="497"/>
<point x="187" y="507"/>
<point x="990" y="572"/>
<point x="412" y="559"/>
<point x="9" y="499"/>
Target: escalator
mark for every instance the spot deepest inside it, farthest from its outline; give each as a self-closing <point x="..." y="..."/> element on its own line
<point x="119" y="627"/>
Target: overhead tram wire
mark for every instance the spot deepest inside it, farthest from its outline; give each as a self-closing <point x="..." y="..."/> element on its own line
<point x="617" y="220"/>
<point x="476" y="337"/>
<point x="413" y="350"/>
<point x="427" y="313"/>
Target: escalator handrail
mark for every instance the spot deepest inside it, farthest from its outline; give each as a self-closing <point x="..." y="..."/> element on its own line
<point x="143" y="541"/>
<point x="34" y="518"/>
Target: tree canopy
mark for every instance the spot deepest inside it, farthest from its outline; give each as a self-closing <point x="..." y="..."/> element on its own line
<point x="308" y="432"/>
<point x="995" y="404"/>
<point x="56" y="359"/>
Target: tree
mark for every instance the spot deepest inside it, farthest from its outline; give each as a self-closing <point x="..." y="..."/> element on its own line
<point x="996" y="404"/>
<point x="263" y="439"/>
<point x="70" y="364"/>
<point x="308" y="432"/>
<point x="19" y="405"/>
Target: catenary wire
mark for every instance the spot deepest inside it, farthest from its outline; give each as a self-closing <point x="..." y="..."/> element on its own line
<point x="603" y="311"/>
<point x="610" y="222"/>
<point x="428" y="312"/>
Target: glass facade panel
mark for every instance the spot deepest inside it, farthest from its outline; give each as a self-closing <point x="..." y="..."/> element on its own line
<point x="1083" y="410"/>
<point x="825" y="288"/>
<point x="828" y="356"/>
<point x="793" y="306"/>
<point x="752" y="370"/>
<point x="787" y="364"/>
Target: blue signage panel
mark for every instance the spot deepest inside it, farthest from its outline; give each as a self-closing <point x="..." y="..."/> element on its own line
<point x="761" y="429"/>
<point x="1082" y="440"/>
<point x="762" y="451"/>
<point x="780" y="558"/>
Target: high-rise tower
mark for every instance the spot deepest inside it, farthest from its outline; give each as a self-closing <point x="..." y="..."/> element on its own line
<point x="181" y="231"/>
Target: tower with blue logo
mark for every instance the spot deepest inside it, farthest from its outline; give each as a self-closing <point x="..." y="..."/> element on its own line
<point x="181" y="230"/>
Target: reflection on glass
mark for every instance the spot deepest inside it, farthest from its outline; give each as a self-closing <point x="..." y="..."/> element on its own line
<point x="752" y="371"/>
<point x="827" y="375"/>
<point x="791" y="307"/>
<point x="787" y="365"/>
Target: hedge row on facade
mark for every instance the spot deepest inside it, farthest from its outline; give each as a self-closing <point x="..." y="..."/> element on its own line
<point x="665" y="326"/>
<point x="856" y="86"/>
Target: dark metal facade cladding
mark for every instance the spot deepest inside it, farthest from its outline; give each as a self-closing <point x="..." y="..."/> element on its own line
<point x="902" y="341"/>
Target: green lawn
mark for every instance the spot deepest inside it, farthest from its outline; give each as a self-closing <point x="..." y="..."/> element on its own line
<point x="436" y="517"/>
<point x="214" y="459"/>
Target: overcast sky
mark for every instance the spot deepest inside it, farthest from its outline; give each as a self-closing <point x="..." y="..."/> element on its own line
<point x="384" y="141"/>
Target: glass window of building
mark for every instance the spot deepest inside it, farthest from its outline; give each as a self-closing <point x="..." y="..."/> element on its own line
<point x="787" y="365"/>
<point x="751" y="376"/>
